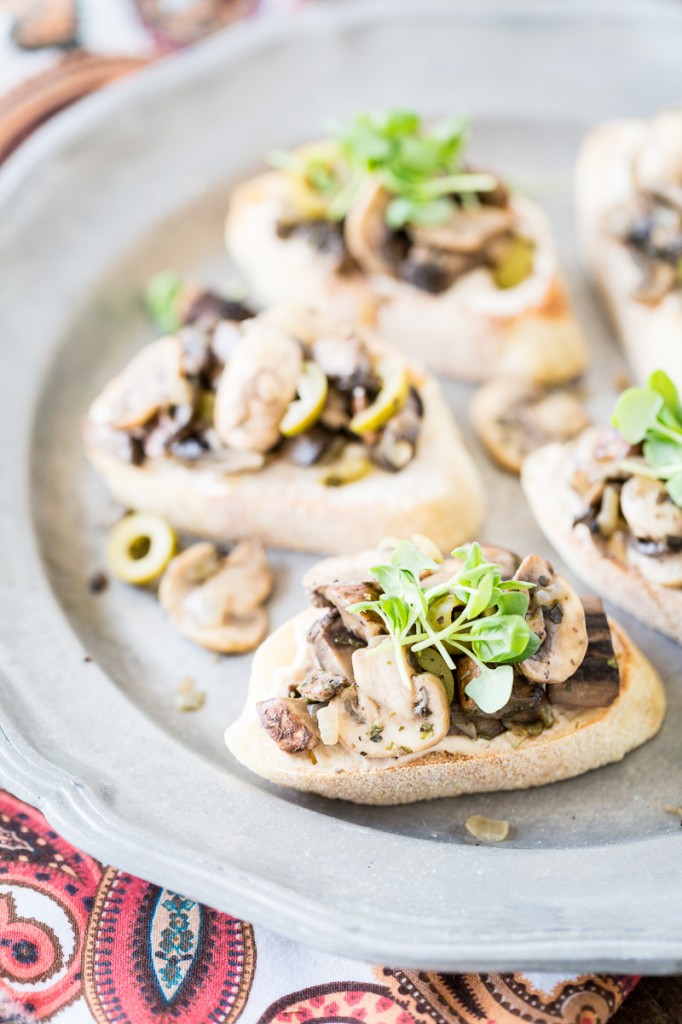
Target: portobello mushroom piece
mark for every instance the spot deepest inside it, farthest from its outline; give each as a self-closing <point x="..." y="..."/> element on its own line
<point x="204" y="304"/>
<point x="523" y="706"/>
<point x="368" y="238"/>
<point x="151" y="382"/>
<point x="382" y="717"/>
<point x="288" y="722"/>
<point x="649" y="510"/>
<point x="556" y="614"/>
<point x="310" y="447"/>
<point x="216" y="600"/>
<point x="256" y="387"/>
<point x="334" y="645"/>
<point x="364" y="625"/>
<point x="596" y="683"/>
<point x="434" y="270"/>
<point x="513" y="417"/>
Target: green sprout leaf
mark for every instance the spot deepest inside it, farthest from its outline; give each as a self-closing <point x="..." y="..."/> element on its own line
<point x="491" y="689"/>
<point x="674" y="488"/>
<point x="636" y="413"/>
<point x="653" y="415"/>
<point x="161" y="296"/>
<point x="475" y="613"/>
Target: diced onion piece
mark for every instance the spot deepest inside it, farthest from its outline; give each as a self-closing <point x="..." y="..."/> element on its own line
<point x="328" y="724"/>
<point x="487" y="830"/>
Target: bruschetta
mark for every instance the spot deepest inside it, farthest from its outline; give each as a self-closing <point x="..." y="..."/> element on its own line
<point x="285" y="428"/>
<point x="386" y="223"/>
<point x="610" y="502"/>
<point x="629" y="203"/>
<point x="410" y="677"/>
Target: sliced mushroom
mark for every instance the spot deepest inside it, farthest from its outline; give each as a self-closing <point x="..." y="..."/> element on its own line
<point x="513" y="417"/>
<point x="469" y="230"/>
<point x="256" y="387"/>
<point x="649" y="510"/>
<point x="334" y="645"/>
<point x="216" y="600"/>
<point x="658" y="165"/>
<point x="597" y="680"/>
<point x="666" y="570"/>
<point x="364" y="625"/>
<point x="288" y="722"/>
<point x="380" y="716"/>
<point x="563" y="630"/>
<point x="153" y="380"/>
<point x="367" y="235"/>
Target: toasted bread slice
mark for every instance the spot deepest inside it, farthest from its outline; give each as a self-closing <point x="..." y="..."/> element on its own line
<point x="650" y="335"/>
<point x="576" y="743"/>
<point x="546" y="480"/>
<point x="438" y="493"/>
<point x="470" y="331"/>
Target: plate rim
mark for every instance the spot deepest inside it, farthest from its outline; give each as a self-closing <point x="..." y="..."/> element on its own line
<point x="74" y="805"/>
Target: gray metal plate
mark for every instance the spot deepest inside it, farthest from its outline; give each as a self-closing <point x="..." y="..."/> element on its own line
<point x="136" y="179"/>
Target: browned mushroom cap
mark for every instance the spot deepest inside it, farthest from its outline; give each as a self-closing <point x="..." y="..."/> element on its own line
<point x="256" y="387"/>
<point x="513" y="417"/>
<point x="557" y="615"/>
<point x="380" y="716"/>
<point x="365" y="229"/>
<point x="467" y="231"/>
<point x="658" y="164"/>
<point x="215" y="600"/>
<point x="287" y="721"/>
<point x="151" y="381"/>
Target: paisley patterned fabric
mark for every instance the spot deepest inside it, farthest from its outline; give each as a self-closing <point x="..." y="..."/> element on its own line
<point x="79" y="943"/>
<point x="154" y="956"/>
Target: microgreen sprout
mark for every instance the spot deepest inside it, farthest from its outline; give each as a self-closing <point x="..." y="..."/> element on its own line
<point x="484" y="619"/>
<point x="652" y="416"/>
<point x="420" y="167"/>
<point x="161" y="295"/>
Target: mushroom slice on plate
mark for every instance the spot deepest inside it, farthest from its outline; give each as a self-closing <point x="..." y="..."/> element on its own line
<point x="216" y="600"/>
<point x="152" y="381"/>
<point x="557" y="615"/>
<point x="513" y="417"/>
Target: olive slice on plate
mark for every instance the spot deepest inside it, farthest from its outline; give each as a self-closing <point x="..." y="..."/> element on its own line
<point x="139" y="547"/>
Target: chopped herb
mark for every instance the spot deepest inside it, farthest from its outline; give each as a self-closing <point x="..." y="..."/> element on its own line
<point x="426" y="729"/>
<point x="406" y="750"/>
<point x="375" y="733"/>
<point x="161" y="297"/>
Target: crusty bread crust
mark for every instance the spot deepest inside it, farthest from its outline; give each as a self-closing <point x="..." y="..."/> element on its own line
<point x="575" y="744"/>
<point x="650" y="335"/>
<point x="545" y="478"/>
<point x="470" y="331"/>
<point x="438" y="494"/>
